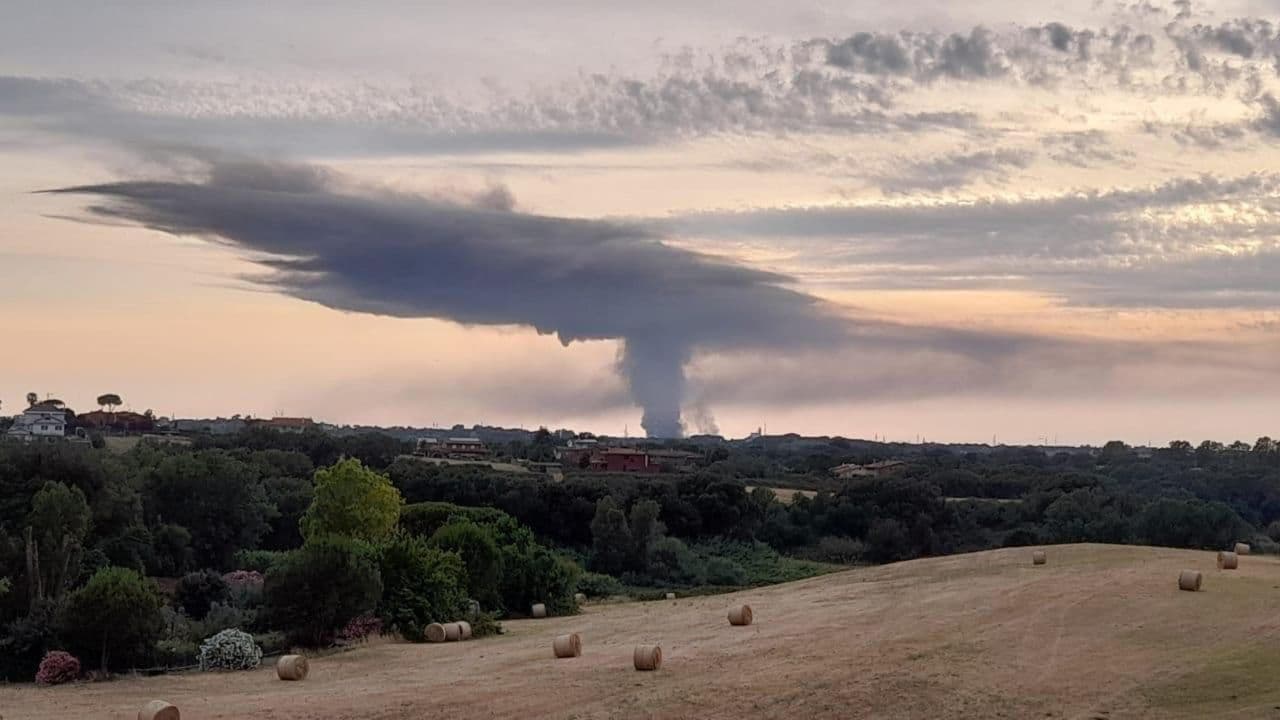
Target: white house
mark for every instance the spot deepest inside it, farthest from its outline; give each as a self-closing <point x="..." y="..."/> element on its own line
<point x="42" y="422"/>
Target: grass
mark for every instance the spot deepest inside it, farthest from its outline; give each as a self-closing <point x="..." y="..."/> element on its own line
<point x="1236" y="678"/>
<point x="763" y="565"/>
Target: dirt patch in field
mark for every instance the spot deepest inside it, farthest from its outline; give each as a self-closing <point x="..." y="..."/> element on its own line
<point x="1100" y="631"/>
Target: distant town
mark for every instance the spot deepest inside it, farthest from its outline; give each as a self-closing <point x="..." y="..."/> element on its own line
<point x="51" y="420"/>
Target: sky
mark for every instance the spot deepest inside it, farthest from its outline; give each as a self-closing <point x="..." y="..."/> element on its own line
<point x="960" y="222"/>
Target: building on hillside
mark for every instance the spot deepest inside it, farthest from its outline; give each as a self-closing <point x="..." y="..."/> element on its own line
<point x="42" y="422"/>
<point x="288" y="424"/>
<point x="469" y="448"/>
<point x="627" y="460"/>
<point x="674" y="460"/>
<point x="428" y="447"/>
<point x="213" y="426"/>
<point x="124" y="421"/>
<point x="883" y="468"/>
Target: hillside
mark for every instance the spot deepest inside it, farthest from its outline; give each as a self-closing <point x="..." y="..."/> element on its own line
<point x="1100" y="632"/>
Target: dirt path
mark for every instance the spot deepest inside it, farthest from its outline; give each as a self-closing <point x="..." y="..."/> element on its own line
<point x="1100" y="632"/>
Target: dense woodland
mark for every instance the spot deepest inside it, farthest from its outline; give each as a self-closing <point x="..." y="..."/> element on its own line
<point x="137" y="559"/>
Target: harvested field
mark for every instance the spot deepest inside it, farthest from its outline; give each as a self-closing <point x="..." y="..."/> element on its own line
<point x="1101" y="632"/>
<point x="786" y="496"/>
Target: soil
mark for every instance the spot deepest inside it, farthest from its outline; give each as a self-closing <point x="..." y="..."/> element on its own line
<point x="1099" y="633"/>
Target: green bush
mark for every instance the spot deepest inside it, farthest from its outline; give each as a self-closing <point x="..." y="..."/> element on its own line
<point x="533" y="574"/>
<point x="421" y="585"/>
<point x="671" y="562"/>
<point x="26" y="640"/>
<point x="426" y="518"/>
<point x="259" y="560"/>
<point x="223" y="617"/>
<point x="598" y="585"/>
<point x="479" y="554"/>
<point x="272" y="643"/>
<point x="836" y="549"/>
<point x="197" y="591"/>
<point x="114" y="618"/>
<point x="723" y="571"/>
<point x="313" y="592"/>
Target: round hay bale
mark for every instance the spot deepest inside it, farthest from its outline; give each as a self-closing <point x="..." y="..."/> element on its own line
<point x="1242" y="548"/>
<point x="579" y="598"/>
<point x="159" y="710"/>
<point x="539" y="610"/>
<point x="1228" y="560"/>
<point x="647" y="657"/>
<point x="464" y="630"/>
<point x="671" y="596"/>
<point x="1189" y="580"/>
<point x="1039" y="558"/>
<point x="452" y="633"/>
<point x="567" y="646"/>
<point x="740" y="615"/>
<point x="435" y="633"/>
<point x="292" y="667"/>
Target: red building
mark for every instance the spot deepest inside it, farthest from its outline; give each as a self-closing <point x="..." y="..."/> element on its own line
<point x="623" y="460"/>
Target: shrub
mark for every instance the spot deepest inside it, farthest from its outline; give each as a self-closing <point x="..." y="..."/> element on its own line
<point x="245" y="587"/>
<point x="58" y="667"/>
<point x="421" y="585"/>
<point x="316" y="590"/>
<point x="272" y="643"/>
<point x="116" y="615"/>
<point x="480" y="555"/>
<point x="258" y="560"/>
<point x="26" y="640"/>
<point x="223" y="617"/>
<point x="533" y="574"/>
<point x="835" y="549"/>
<point x="197" y="591"/>
<point x="358" y="629"/>
<point x="599" y="585"/>
<point x="723" y="571"/>
<point x="427" y="517"/>
<point x="230" y="650"/>
<point x="671" y="561"/>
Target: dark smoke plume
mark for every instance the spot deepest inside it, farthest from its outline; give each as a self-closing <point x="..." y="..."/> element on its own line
<point x="478" y="262"/>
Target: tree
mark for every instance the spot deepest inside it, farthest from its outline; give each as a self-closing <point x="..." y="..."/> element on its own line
<point x="352" y="501"/>
<point x="610" y="538"/>
<point x="479" y="554"/>
<point x="217" y="498"/>
<point x="117" y="611"/>
<point x="32" y="399"/>
<point x="56" y="529"/>
<point x="645" y="530"/>
<point x="316" y="590"/>
<point x="110" y="401"/>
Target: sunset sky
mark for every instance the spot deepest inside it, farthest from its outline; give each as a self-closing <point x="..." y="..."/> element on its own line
<point x="1038" y="222"/>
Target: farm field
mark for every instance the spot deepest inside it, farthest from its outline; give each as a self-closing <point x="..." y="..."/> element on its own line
<point x="1099" y="632"/>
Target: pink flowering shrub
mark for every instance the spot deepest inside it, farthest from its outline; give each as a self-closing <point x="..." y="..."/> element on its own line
<point x="245" y="586"/>
<point x="360" y="628"/>
<point x="243" y="578"/>
<point x="58" y="667"/>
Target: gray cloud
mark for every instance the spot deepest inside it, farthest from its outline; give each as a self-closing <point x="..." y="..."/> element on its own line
<point x="387" y="254"/>
<point x="1085" y="148"/>
<point x="1133" y="247"/>
<point x="857" y="84"/>
<point x="953" y="170"/>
